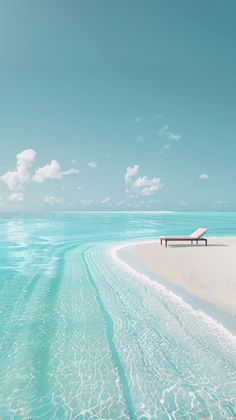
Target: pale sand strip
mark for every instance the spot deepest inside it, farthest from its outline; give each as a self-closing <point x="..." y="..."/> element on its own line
<point x="207" y="272"/>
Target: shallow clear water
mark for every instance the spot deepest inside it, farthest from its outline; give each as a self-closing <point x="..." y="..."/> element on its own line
<point x="83" y="337"/>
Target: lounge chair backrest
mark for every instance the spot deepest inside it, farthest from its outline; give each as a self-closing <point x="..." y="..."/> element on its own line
<point x="198" y="233"/>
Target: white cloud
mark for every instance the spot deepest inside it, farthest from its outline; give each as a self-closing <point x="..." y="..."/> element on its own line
<point x="131" y="171"/>
<point x="183" y="203"/>
<point x="52" y="171"/>
<point x="50" y="199"/>
<point x="79" y="188"/>
<point x="16" y="197"/>
<point x="164" y="132"/>
<point x="139" y="139"/>
<point x="157" y="116"/>
<point x="86" y="202"/>
<point x="173" y="136"/>
<point x="141" y="186"/>
<point x="204" y="176"/>
<point x="15" y="180"/>
<point x="105" y="200"/>
<point x="137" y="119"/>
<point x="166" y="148"/>
<point x="147" y="186"/>
<point x="222" y="202"/>
<point x="93" y="164"/>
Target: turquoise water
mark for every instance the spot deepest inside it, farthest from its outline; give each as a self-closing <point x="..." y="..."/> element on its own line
<point x="84" y="337"/>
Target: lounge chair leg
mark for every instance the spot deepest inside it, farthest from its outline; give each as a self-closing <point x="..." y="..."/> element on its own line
<point x="161" y="241"/>
<point x="165" y="243"/>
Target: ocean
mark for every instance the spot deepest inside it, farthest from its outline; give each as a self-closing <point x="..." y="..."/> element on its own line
<point x="82" y="336"/>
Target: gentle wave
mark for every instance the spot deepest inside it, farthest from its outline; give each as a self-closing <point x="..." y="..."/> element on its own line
<point x="85" y="336"/>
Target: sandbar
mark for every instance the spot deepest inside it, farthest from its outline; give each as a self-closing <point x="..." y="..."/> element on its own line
<point x="206" y="272"/>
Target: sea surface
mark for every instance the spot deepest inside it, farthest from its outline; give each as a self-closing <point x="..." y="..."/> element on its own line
<point x="82" y="336"/>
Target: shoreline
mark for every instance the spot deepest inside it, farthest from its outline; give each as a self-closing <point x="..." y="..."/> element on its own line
<point x="126" y="255"/>
<point x="205" y="272"/>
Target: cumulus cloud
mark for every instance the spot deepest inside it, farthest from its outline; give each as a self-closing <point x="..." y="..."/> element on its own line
<point x="120" y="203"/>
<point x="20" y="176"/>
<point x="146" y="186"/>
<point x="204" y="176"/>
<point x="52" y="171"/>
<point x="16" y="179"/>
<point x="16" y="197"/>
<point x="173" y="136"/>
<point x="93" y="164"/>
<point x="183" y="203"/>
<point x="141" y="186"/>
<point x="50" y="199"/>
<point x="165" y="132"/>
<point x="86" y="202"/>
<point x="165" y="149"/>
<point x="131" y="171"/>
<point x="106" y="200"/>
<point x="139" y="139"/>
<point x="157" y="116"/>
<point x="167" y="146"/>
<point x="222" y="202"/>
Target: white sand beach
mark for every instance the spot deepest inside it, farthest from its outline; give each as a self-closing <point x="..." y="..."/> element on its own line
<point x="207" y="272"/>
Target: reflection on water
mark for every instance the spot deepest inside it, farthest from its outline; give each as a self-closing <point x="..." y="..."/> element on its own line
<point x="83" y="337"/>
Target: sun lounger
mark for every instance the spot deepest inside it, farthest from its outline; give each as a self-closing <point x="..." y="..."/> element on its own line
<point x="194" y="237"/>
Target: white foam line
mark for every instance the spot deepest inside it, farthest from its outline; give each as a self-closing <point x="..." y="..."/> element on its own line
<point x="112" y="251"/>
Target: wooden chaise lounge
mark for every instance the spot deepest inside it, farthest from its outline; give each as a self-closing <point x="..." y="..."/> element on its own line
<point x="194" y="237"/>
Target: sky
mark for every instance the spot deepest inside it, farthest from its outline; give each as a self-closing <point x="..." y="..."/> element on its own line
<point x="117" y="105"/>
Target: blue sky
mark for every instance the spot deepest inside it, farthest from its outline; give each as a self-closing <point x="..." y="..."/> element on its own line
<point x="117" y="105"/>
